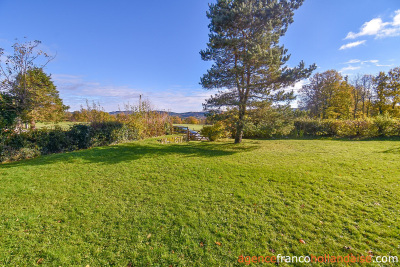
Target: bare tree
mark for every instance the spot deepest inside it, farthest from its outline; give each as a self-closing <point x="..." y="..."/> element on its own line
<point x="357" y="92"/>
<point x="366" y="96"/>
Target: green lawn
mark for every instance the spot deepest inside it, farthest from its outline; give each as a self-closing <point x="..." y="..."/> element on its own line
<point x="194" y="127"/>
<point x="201" y="204"/>
<point x="64" y="124"/>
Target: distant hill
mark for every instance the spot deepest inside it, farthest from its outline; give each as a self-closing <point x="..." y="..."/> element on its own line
<point x="199" y="115"/>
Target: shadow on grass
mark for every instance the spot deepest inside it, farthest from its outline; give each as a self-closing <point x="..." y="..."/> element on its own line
<point x="332" y="138"/>
<point x="137" y="150"/>
<point x="393" y="151"/>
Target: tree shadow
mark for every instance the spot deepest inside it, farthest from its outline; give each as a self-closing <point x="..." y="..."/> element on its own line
<point x="393" y="150"/>
<point x="333" y="138"/>
<point x="136" y="150"/>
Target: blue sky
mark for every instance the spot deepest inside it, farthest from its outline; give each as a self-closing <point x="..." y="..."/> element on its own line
<point x="113" y="51"/>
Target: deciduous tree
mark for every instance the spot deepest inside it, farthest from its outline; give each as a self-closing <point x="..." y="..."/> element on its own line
<point x="328" y="95"/>
<point x="381" y="100"/>
<point x="22" y="76"/>
<point x="192" y="120"/>
<point x="37" y="97"/>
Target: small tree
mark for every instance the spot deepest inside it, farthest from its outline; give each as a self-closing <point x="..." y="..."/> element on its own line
<point x="327" y="95"/>
<point x="249" y="63"/>
<point x="37" y="97"/>
<point x="20" y="76"/>
<point x="176" y="120"/>
<point x="192" y="120"/>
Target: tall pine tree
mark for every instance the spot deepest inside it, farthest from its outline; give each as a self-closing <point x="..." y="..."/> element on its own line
<point x="249" y="62"/>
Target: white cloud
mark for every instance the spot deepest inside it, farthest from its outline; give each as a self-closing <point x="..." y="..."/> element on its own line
<point x="379" y="65"/>
<point x="396" y="19"/>
<point x="350" y="68"/>
<point x="297" y="86"/>
<point x="373" y="61"/>
<point x="356" y="64"/>
<point x="372" y="27"/>
<point x="358" y="61"/>
<point x="352" y="61"/>
<point x="75" y="90"/>
<point x="376" y="27"/>
<point x="179" y="101"/>
<point x="351" y="45"/>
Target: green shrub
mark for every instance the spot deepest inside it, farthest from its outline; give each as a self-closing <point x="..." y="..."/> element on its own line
<point x="14" y="146"/>
<point x="24" y="153"/>
<point x="396" y="128"/>
<point x="79" y="136"/>
<point x="267" y="129"/>
<point x="385" y="124"/>
<point x="214" y="132"/>
<point x="355" y="128"/>
<point x="8" y="111"/>
<point x="52" y="141"/>
<point x="105" y="133"/>
<point x="367" y="127"/>
<point x="315" y="127"/>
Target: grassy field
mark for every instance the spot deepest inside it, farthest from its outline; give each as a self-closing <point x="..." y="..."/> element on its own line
<point x="201" y="204"/>
<point x="65" y="124"/>
<point x="194" y="127"/>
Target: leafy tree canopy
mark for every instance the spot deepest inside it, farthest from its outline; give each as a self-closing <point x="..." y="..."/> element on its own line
<point x="38" y="97"/>
<point x="34" y="93"/>
<point x="249" y="62"/>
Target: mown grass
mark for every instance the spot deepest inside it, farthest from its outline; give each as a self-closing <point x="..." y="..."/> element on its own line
<point x="201" y="204"/>
<point x="194" y="127"/>
<point x="64" y="124"/>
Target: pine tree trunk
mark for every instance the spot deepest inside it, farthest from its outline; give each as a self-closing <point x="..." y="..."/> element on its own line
<point x="240" y="125"/>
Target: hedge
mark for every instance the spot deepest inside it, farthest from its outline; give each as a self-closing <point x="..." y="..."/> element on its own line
<point x="17" y="146"/>
<point x="367" y="127"/>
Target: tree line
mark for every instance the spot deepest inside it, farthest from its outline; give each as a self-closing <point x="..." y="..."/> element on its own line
<point x="249" y="73"/>
<point x="330" y="95"/>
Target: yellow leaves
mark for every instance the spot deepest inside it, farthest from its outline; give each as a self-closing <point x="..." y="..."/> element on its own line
<point x="218" y="243"/>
